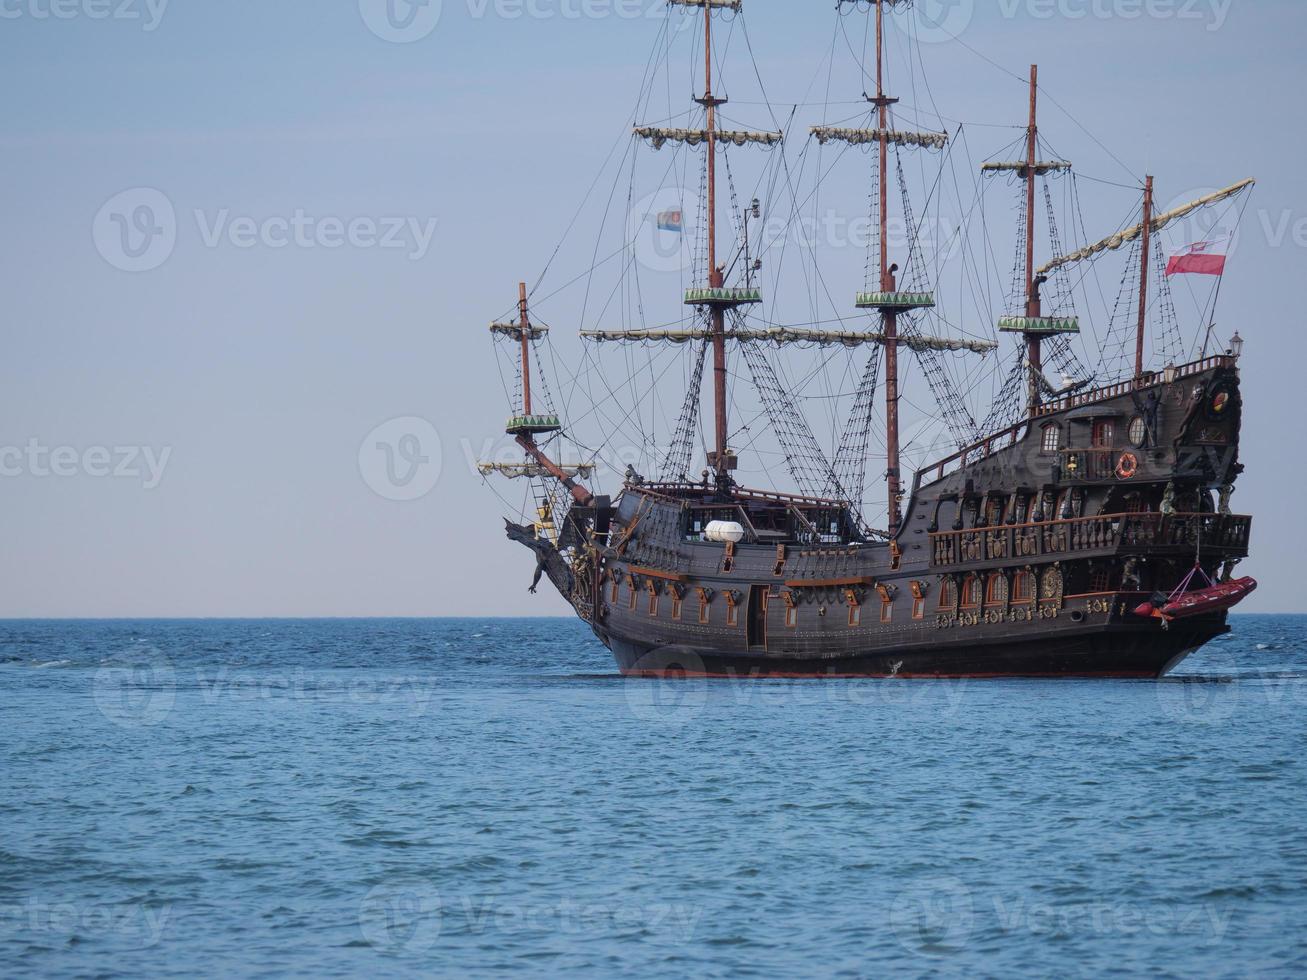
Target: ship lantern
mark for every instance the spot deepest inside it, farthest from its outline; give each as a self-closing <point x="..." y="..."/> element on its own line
<point x="1236" y="345"/>
<point x="1170" y="373"/>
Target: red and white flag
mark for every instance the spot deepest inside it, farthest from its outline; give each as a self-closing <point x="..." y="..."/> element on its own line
<point x="1201" y="258"/>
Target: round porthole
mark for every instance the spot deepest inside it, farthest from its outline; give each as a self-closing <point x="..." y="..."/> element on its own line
<point x="1138" y="430"/>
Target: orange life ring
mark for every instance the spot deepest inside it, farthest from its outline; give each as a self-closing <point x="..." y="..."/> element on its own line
<point x="1127" y="466"/>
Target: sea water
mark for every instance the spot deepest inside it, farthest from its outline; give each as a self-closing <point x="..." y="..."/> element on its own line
<point x="418" y="797"/>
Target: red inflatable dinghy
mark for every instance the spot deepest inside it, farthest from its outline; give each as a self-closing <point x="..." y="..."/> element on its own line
<point x="1214" y="598"/>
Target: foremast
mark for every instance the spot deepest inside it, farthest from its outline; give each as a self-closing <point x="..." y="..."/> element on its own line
<point x="525" y="426"/>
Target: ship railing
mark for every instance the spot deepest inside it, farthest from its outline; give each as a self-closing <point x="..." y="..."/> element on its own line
<point x="1014" y="434"/>
<point x="1090" y="465"/>
<point x="1149" y="379"/>
<point x="972" y="454"/>
<point x="1219" y="534"/>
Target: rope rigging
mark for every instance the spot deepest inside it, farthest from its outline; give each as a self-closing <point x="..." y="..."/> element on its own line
<point x="850" y="467"/>
<point x="807" y="464"/>
<point x="676" y="464"/>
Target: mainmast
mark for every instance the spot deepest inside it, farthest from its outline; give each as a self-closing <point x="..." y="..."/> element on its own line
<point x="717" y="298"/>
<point x="887" y="299"/>
<point x="719" y="461"/>
<point x="893" y="480"/>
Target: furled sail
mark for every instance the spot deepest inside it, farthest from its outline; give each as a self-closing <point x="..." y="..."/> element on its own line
<point x="792" y="335"/>
<point x="514" y="330"/>
<point x="659" y="136"/>
<point x="857" y="137"/>
<point x="533" y="471"/>
<point x="1019" y="166"/>
<point x="1121" y="238"/>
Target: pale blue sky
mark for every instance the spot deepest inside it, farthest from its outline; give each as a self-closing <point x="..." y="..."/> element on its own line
<point x="260" y="370"/>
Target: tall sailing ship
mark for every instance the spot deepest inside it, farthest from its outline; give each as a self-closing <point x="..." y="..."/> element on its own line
<point x="1082" y="528"/>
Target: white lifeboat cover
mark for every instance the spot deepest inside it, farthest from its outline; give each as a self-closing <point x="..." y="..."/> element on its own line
<point x="724" y="531"/>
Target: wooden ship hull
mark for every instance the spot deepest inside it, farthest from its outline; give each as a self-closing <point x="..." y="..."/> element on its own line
<point x="1022" y="556"/>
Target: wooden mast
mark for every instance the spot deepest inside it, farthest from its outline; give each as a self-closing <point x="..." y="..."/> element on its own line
<point x="1145" y="249"/>
<point x="525" y="324"/>
<point x="717" y="313"/>
<point x="1034" y="352"/>
<point x="524" y="431"/>
<point x="893" y="484"/>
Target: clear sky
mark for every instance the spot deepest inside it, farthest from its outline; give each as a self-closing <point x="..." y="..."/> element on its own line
<point x="239" y="237"/>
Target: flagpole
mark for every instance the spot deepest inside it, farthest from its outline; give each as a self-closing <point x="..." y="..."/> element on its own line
<point x="1211" y="320"/>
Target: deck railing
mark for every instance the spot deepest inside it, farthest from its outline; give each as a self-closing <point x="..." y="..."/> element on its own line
<point x="1149" y="380"/>
<point x="1108" y="534"/>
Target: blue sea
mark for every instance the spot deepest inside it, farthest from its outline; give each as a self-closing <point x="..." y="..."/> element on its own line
<point x="483" y="797"/>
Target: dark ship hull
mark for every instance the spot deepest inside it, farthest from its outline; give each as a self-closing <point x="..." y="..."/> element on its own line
<point x="1105" y="652"/>
<point x="1027" y="555"/>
